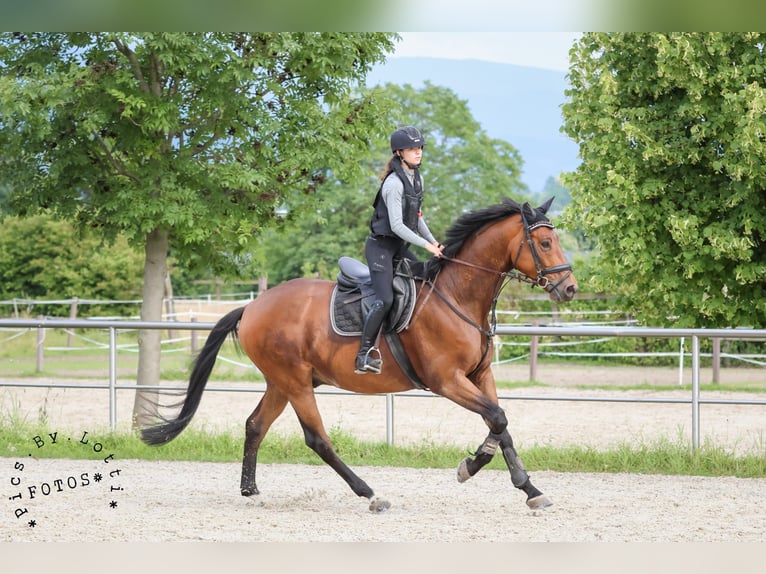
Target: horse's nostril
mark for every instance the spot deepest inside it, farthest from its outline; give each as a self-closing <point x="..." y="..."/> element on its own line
<point x="571" y="290"/>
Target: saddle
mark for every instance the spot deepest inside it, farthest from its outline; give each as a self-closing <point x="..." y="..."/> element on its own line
<point x="353" y="295"/>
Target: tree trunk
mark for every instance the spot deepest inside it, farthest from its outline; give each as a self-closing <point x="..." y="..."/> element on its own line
<point x="145" y="407"/>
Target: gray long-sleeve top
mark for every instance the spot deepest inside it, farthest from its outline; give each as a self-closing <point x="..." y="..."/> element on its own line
<point x="392" y="192"/>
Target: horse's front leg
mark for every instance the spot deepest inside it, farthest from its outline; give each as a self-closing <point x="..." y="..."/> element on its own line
<point x="519" y="476"/>
<point x="484" y="380"/>
<point x="468" y="467"/>
<point x="499" y="437"/>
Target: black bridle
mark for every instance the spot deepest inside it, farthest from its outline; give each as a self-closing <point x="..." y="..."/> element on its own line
<point x="542" y="272"/>
<point x="541" y="280"/>
<point x="504" y="278"/>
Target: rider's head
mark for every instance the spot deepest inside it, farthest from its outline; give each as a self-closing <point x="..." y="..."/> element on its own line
<point x="407" y="143"/>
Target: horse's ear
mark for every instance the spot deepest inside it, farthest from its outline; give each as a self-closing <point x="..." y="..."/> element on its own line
<point x="528" y="211"/>
<point x="547" y="205"/>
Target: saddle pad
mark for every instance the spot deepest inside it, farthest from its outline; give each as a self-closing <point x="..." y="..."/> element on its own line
<point x="346" y="308"/>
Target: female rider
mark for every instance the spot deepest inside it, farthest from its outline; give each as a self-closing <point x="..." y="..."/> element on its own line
<point x="397" y="222"/>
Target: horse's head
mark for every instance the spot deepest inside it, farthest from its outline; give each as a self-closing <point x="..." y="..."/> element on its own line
<point x="491" y="239"/>
<point x="539" y="255"/>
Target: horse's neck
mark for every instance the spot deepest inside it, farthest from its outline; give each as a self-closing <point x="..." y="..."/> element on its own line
<point x="474" y="285"/>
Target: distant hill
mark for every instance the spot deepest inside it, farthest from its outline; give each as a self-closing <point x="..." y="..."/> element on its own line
<point x="517" y="104"/>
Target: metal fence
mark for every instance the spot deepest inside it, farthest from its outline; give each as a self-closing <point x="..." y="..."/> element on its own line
<point x="695" y="335"/>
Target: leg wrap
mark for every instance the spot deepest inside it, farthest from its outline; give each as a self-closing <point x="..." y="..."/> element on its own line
<point x="489" y="446"/>
<point x="519" y="476"/>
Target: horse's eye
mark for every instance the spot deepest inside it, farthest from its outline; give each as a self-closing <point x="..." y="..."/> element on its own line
<point x="545" y="244"/>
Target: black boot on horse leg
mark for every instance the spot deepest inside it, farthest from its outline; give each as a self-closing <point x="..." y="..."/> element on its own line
<point x="470" y="466"/>
<point x="368" y="359"/>
<point x="519" y="476"/>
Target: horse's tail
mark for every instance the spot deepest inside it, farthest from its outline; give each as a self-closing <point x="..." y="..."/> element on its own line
<point x="168" y="429"/>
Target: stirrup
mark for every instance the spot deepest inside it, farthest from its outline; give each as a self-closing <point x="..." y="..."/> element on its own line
<point x="372" y="364"/>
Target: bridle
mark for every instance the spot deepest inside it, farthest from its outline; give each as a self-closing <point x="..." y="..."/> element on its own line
<point x="541" y="279"/>
<point x="505" y="277"/>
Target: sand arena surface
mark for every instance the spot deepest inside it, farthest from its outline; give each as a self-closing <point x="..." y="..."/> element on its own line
<point x="182" y="501"/>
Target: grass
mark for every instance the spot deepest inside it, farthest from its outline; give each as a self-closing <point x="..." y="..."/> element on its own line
<point x="17" y="439"/>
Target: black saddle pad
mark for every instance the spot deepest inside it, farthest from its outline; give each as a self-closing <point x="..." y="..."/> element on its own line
<point x="348" y="308"/>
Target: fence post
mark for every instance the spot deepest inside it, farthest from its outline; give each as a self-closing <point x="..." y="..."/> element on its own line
<point x="533" y="344"/>
<point x="112" y="378"/>
<point x="681" y="364"/>
<point x="695" y="393"/>
<point x="40" y="340"/>
<point x="72" y="315"/>
<point x="716" y="360"/>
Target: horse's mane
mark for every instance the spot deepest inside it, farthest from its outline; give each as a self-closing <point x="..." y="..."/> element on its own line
<point x="469" y="223"/>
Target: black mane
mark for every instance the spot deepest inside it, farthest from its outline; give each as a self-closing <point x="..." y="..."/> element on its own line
<point x="469" y="223"/>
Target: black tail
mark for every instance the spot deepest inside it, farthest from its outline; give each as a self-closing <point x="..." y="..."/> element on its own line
<point x="168" y="429"/>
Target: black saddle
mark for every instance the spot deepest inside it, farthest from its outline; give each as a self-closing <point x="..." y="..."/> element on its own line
<point x="354" y="294"/>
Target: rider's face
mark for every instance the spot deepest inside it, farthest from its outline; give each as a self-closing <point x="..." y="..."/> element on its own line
<point x="412" y="155"/>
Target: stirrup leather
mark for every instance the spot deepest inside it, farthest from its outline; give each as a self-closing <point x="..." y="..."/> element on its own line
<point x="373" y="363"/>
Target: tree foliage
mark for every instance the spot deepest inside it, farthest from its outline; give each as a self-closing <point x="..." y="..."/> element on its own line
<point x="185" y="143"/>
<point x="672" y="136"/>
<point x="42" y="258"/>
<point x="463" y="169"/>
<point x="201" y="135"/>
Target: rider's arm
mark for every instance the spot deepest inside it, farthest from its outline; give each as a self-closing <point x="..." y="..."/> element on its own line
<point x="392" y="192"/>
<point x="424" y="231"/>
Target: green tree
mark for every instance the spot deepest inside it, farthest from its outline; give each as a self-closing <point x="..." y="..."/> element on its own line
<point x="43" y="258"/>
<point x="463" y="169"/>
<point x="183" y="142"/>
<point x="672" y="135"/>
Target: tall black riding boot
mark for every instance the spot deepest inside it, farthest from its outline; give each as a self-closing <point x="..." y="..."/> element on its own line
<point x="368" y="359"/>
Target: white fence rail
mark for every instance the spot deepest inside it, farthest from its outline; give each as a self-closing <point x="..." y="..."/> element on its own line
<point x="694" y="335"/>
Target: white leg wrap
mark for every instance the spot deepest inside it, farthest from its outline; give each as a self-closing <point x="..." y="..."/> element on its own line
<point x="489" y="446"/>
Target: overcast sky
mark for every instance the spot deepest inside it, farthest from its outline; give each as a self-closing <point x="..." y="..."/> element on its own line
<point x="548" y="50"/>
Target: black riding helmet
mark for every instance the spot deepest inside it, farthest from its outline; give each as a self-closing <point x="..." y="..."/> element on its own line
<point x="406" y="137"/>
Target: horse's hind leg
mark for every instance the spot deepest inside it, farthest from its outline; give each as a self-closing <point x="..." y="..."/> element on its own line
<point x="318" y="441"/>
<point x="258" y="423"/>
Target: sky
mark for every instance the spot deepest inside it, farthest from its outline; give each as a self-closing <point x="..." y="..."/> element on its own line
<point x="547" y="50"/>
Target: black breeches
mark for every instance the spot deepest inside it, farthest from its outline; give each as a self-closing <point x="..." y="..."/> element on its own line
<point x="383" y="254"/>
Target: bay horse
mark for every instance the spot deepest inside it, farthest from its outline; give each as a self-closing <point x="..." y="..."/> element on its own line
<point x="286" y="332"/>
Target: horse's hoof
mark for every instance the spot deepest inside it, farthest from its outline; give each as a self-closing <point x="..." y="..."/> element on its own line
<point x="250" y="491"/>
<point x="379" y="505"/>
<point x="539" y="502"/>
<point x="462" y="470"/>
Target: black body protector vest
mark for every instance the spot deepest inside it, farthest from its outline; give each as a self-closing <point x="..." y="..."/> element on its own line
<point x="412" y="201"/>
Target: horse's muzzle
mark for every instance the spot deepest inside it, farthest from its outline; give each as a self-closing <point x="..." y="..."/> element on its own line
<point x="564" y="289"/>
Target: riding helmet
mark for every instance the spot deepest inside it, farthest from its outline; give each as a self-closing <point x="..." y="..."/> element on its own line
<point x="406" y="137"/>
